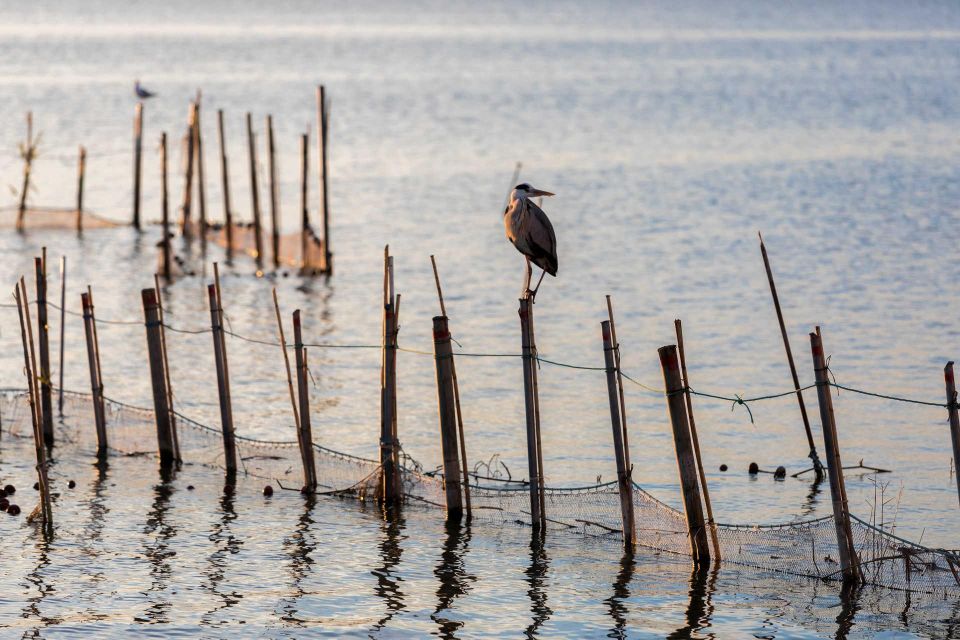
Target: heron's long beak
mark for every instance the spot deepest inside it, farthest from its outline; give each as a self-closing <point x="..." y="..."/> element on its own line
<point x="538" y="192"/>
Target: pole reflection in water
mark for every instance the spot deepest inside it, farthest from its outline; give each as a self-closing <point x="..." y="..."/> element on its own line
<point x="616" y="603"/>
<point x="300" y="546"/>
<point x="454" y="580"/>
<point x="159" y="534"/>
<point x="225" y="544"/>
<point x="849" y="606"/>
<point x="536" y="577"/>
<point x="703" y="584"/>
<point x="809" y="507"/>
<point x="36" y="580"/>
<point x="388" y="582"/>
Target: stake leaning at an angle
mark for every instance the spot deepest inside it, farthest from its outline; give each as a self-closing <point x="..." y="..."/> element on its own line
<point x="817" y="465"/>
<point x="286" y="362"/>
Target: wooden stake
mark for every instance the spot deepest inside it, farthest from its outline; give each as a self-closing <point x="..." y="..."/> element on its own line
<point x="166" y="371"/>
<point x="443" y="357"/>
<point x="817" y="465"/>
<point x="274" y="196"/>
<point x="322" y="123"/>
<point x="696" y="529"/>
<point x="534" y="466"/>
<point x="137" y="161"/>
<point x="43" y="340"/>
<point x="28" y="151"/>
<point x="161" y="407"/>
<point x="286" y="362"/>
<point x="165" y="209"/>
<point x="305" y="434"/>
<point x="225" y="182"/>
<point x="849" y="561"/>
<point x="201" y="184"/>
<point x="63" y="317"/>
<point x="304" y="213"/>
<point x="389" y="454"/>
<point x="223" y="382"/>
<point x="623" y="476"/>
<point x="696" y="442"/>
<point x="96" y="382"/>
<point x="254" y="192"/>
<point x="188" y="172"/>
<point x="623" y="407"/>
<point x="96" y="347"/>
<point x="954" y="417"/>
<point x="81" y="167"/>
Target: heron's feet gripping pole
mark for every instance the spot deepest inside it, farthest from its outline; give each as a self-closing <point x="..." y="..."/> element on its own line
<point x="527" y="292"/>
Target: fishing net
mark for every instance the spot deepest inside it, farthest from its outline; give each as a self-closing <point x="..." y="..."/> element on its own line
<point x="53" y="218"/>
<point x="301" y="250"/>
<point x="804" y="548"/>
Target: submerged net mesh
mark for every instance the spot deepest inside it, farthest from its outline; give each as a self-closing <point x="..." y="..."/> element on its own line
<point x="302" y="250"/>
<point x="805" y="548"/>
<point x="53" y="218"/>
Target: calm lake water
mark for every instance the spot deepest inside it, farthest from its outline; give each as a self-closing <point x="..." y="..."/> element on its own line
<point x="671" y="134"/>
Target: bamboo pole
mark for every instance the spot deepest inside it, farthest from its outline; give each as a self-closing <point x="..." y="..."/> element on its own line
<point x="537" y="517"/>
<point x="535" y="374"/>
<point x="223" y="383"/>
<point x="305" y="434"/>
<point x="96" y="346"/>
<point x="817" y="465"/>
<point x="201" y="183"/>
<point x="673" y="383"/>
<point x="81" y="168"/>
<point x="166" y="371"/>
<point x="623" y="408"/>
<point x="954" y="417"/>
<point x="161" y="407"/>
<point x="304" y="213"/>
<point x="254" y="192"/>
<point x="137" y="161"/>
<point x="446" y="407"/>
<point x="63" y="318"/>
<point x="623" y="477"/>
<point x="165" y="209"/>
<point x="43" y="341"/>
<point x="28" y="151"/>
<point x="96" y="382"/>
<point x="696" y="442"/>
<point x="849" y="561"/>
<point x="185" y="208"/>
<point x="225" y="182"/>
<point x="286" y="362"/>
<point x="389" y="455"/>
<point x="464" y="466"/>
<point x="322" y="130"/>
<point x="274" y="195"/>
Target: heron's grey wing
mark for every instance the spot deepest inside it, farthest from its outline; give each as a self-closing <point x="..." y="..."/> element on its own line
<point x="542" y="240"/>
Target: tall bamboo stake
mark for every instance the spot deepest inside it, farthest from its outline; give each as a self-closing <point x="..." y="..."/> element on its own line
<point x="166" y="371"/>
<point x="63" y="317"/>
<point x="96" y="382"/>
<point x="537" y="517"/>
<point x="274" y="195"/>
<point x="201" y="184"/>
<point x="185" y="208"/>
<point x="696" y="441"/>
<point x="623" y="406"/>
<point x="954" y="418"/>
<point x="28" y="151"/>
<point x="254" y="192"/>
<point x="304" y="213"/>
<point x="81" y="167"/>
<point x="322" y="135"/>
<point x="305" y="435"/>
<point x="225" y="182"/>
<point x="623" y="478"/>
<point x="96" y="346"/>
<point x="446" y="408"/>
<point x="161" y="397"/>
<point x="165" y="209"/>
<point x="817" y="465"/>
<point x="286" y="362"/>
<point x="223" y="381"/>
<point x="389" y="454"/>
<point x="43" y="340"/>
<point x="137" y="161"/>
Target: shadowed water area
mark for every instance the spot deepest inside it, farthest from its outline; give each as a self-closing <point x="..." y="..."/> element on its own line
<point x="671" y="135"/>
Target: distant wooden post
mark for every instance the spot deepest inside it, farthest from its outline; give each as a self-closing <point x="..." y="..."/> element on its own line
<point x="534" y="459"/>
<point x="96" y="381"/>
<point x="165" y="209"/>
<point x="43" y="340"/>
<point x="201" y="185"/>
<point x="389" y="451"/>
<point x="223" y="382"/>
<point x="63" y="318"/>
<point x="81" y="168"/>
<point x="225" y="182"/>
<point x="274" y="195"/>
<point x="28" y="151"/>
<point x="690" y="488"/>
<point x="954" y="419"/>
<point x="254" y="192"/>
<point x="849" y="561"/>
<point x="623" y="474"/>
<point x="304" y="213"/>
<point x="305" y="436"/>
<point x="185" y="208"/>
<point x="443" y="358"/>
<point x="137" y="161"/>
<point x="161" y="407"/>
<point x="322" y="123"/>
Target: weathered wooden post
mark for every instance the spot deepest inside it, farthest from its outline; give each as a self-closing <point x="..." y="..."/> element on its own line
<point x="954" y="419"/>
<point x="274" y="195"/>
<point x="322" y="123"/>
<point x="161" y="407"/>
<point x="63" y="318"/>
<point x="673" y="383"/>
<point x="166" y="370"/>
<point x="43" y="341"/>
<point x="305" y="436"/>
<point x="619" y="448"/>
<point x="201" y="185"/>
<point x="185" y="208"/>
<point x="391" y="491"/>
<point x="28" y="151"/>
<point x="81" y="168"/>
<point x="304" y="212"/>
<point x="849" y="561"/>
<point x="164" y="209"/>
<point x="96" y="381"/>
<point x="96" y="347"/>
<point x="137" y="161"/>
<point x="223" y="381"/>
<point x="534" y="459"/>
<point x="225" y="182"/>
<point x="254" y="192"/>
<point x="446" y="404"/>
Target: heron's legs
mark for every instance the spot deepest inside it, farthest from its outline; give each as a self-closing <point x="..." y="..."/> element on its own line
<point x="527" y="275"/>
<point x="533" y="293"/>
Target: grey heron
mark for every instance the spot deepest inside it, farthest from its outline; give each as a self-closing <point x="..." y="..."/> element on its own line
<point x="530" y="231"/>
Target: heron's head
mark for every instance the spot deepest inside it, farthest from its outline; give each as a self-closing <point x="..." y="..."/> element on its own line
<point x="524" y="190"/>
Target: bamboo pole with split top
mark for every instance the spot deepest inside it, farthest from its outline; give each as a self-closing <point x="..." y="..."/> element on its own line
<point x="201" y="184"/>
<point x="63" y="317"/>
<point x="96" y="382"/>
<point x="274" y="195"/>
<point x="186" y="206"/>
<point x="696" y="441"/>
<point x="304" y="213"/>
<point x="534" y="466"/>
<point x="465" y="468"/>
<point x="96" y="346"/>
<point x="690" y="488"/>
<point x="43" y="341"/>
<point x="254" y="192"/>
<point x="137" y="161"/>
<point x="286" y="362"/>
<point x="223" y="381"/>
<point x="165" y="210"/>
<point x="29" y="357"/>
<point x="389" y="450"/>
<point x="28" y="150"/>
<point x="954" y="417"/>
<point x="166" y="371"/>
<point x="616" y="419"/>
<point x="225" y="182"/>
<point x="305" y="434"/>
<point x="817" y="465"/>
<point x="623" y="408"/>
<point x="161" y="407"/>
<point x="446" y="407"/>
<point x="323" y="120"/>
<point x="81" y="168"/>
<point x="849" y="561"/>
